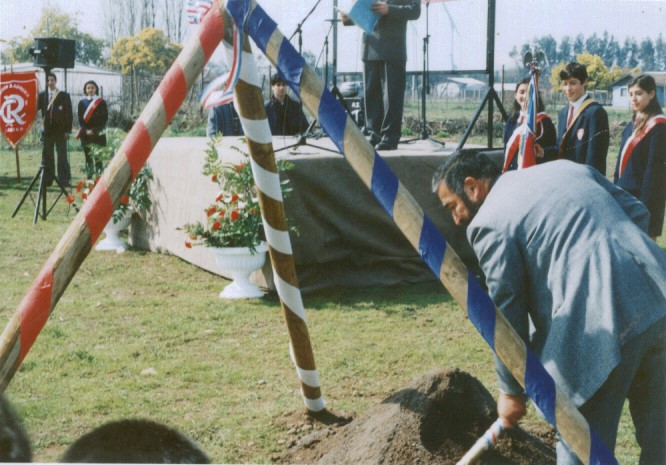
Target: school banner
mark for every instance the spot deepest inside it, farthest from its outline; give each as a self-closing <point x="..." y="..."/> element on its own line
<point x="18" y="104"/>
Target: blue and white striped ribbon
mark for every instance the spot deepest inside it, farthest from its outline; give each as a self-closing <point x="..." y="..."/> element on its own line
<point x="421" y="232"/>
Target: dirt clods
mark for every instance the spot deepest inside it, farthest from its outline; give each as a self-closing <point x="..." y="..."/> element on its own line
<point x="433" y="421"/>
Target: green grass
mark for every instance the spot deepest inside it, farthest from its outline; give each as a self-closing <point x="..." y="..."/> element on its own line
<point x="222" y="372"/>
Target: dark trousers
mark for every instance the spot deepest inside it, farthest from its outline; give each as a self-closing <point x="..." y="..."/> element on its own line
<point x="64" y="173"/>
<point x="640" y="378"/>
<point x="384" y="98"/>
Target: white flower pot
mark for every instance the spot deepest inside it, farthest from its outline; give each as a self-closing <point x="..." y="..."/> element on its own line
<point x="239" y="263"/>
<point x="112" y="240"/>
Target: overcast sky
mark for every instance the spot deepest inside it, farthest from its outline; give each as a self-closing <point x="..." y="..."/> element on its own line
<point x="457" y="28"/>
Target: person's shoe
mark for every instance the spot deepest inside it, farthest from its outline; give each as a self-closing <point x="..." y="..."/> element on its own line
<point x="373" y="140"/>
<point x="385" y="145"/>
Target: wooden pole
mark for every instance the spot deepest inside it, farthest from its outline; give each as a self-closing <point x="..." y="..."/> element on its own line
<point x="250" y="105"/>
<point x="51" y="282"/>
<point x="18" y="164"/>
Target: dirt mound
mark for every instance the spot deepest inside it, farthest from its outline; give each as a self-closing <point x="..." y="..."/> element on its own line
<point x="435" y="420"/>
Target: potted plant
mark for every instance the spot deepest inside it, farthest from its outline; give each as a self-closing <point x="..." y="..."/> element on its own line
<point x="137" y="199"/>
<point x="233" y="227"/>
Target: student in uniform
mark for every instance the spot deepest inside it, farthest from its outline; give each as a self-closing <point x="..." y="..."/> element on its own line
<point x="583" y="135"/>
<point x="56" y="108"/>
<point x="545" y="129"/>
<point x="641" y="162"/>
<point x="285" y="115"/>
<point x="93" y="115"/>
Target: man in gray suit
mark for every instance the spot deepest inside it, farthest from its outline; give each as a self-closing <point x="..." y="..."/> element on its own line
<point x="384" y="70"/>
<point x="565" y="249"/>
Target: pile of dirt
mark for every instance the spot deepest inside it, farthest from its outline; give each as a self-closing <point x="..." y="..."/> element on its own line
<point x="434" y="421"/>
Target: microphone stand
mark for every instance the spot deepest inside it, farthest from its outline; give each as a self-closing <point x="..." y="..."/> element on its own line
<point x="302" y="137"/>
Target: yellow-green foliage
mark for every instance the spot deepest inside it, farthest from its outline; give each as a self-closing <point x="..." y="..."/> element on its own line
<point x="149" y="51"/>
<point x="599" y="76"/>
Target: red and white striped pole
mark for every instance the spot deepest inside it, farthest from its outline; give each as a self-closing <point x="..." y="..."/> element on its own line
<point x="42" y="296"/>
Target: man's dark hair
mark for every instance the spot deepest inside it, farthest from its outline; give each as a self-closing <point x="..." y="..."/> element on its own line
<point x="276" y="78"/>
<point x="14" y="441"/>
<point x="574" y="70"/>
<point x="461" y="165"/>
<point x="48" y="75"/>
<point x="134" y="441"/>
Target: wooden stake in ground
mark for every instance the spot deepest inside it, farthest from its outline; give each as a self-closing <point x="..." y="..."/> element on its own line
<point x="18" y="165"/>
<point x="250" y="105"/>
<point x="422" y="234"/>
<point x="51" y="282"/>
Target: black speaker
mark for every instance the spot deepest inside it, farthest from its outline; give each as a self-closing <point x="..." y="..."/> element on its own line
<point x="53" y="53"/>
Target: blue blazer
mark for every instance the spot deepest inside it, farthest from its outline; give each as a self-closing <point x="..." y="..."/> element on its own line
<point x="573" y="255"/>
<point x="587" y="141"/>
<point x="645" y="173"/>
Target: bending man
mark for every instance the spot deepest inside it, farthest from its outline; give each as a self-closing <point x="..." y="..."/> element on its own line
<point x="573" y="256"/>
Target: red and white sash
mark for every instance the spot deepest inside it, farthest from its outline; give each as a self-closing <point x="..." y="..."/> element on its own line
<point x="635" y="139"/>
<point x="514" y="141"/>
<point x="91" y="108"/>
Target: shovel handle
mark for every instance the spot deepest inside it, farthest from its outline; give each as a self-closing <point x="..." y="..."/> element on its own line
<point x="485" y="442"/>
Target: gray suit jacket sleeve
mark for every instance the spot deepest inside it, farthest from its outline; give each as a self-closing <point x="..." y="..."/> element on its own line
<point x="506" y="283"/>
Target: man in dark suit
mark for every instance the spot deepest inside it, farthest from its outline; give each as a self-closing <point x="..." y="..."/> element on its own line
<point x="573" y="260"/>
<point x="56" y="108"/>
<point x="384" y="70"/>
<point x="583" y="135"/>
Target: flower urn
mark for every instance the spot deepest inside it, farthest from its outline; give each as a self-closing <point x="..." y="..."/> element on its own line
<point x="112" y="230"/>
<point x="239" y="263"/>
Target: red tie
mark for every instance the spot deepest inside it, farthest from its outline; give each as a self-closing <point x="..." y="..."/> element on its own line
<point x="570" y="117"/>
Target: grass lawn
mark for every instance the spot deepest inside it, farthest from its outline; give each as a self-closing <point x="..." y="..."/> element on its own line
<point x="140" y="334"/>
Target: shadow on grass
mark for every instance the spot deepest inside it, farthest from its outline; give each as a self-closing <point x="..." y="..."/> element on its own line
<point x="402" y="299"/>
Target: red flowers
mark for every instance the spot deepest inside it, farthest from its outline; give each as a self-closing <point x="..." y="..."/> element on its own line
<point x="217" y="225"/>
<point x="124" y="200"/>
<point x="211" y="210"/>
<point x="70" y="198"/>
<point x="188" y="244"/>
<point x="235" y="215"/>
<point x="213" y="178"/>
<point x="240" y="167"/>
<point x="234" y="198"/>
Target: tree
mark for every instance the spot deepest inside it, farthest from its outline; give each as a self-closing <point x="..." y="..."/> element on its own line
<point x="630" y="53"/>
<point x="564" y="52"/>
<point x="548" y="45"/>
<point x="646" y="54"/>
<point x="660" y="54"/>
<point x="149" y="52"/>
<point x="594" y="45"/>
<point x="598" y="75"/>
<point x="128" y="17"/>
<point x="54" y="23"/>
<point x="613" y="55"/>
<point x="579" y="44"/>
